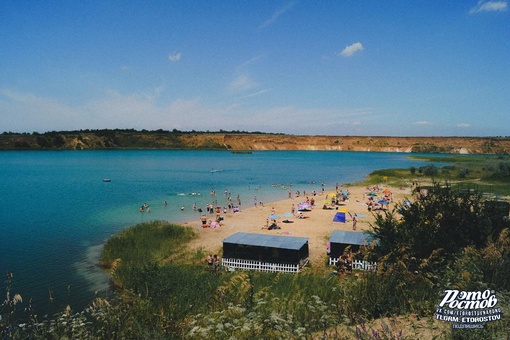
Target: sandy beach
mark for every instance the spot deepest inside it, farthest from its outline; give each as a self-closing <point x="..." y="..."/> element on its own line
<point x="317" y="226"/>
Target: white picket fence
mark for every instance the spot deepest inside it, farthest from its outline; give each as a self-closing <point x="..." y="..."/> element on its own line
<point x="234" y="264"/>
<point x="357" y="264"/>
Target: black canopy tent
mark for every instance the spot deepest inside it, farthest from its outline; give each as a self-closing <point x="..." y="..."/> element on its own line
<point x="340" y="239"/>
<point x="266" y="248"/>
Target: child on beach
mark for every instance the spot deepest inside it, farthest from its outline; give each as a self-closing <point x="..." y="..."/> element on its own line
<point x="210" y="262"/>
<point x="203" y="219"/>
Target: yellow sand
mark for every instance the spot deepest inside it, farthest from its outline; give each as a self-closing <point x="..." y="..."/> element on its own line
<point x="317" y="227"/>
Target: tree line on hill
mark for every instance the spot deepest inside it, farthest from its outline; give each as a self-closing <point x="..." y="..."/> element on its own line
<point x="113" y="139"/>
<point x="101" y="132"/>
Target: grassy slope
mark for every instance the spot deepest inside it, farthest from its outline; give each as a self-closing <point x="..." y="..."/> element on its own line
<point x="471" y="171"/>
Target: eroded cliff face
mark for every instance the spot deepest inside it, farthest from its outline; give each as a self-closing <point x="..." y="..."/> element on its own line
<point x="112" y="139"/>
<point x="458" y="145"/>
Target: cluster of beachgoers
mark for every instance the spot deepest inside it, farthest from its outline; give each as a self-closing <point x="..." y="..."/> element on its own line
<point x="302" y="215"/>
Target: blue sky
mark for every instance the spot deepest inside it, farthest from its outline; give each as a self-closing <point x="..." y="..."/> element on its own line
<point x="391" y="68"/>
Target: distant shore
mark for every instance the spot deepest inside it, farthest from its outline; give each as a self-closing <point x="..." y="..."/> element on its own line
<point x="245" y="142"/>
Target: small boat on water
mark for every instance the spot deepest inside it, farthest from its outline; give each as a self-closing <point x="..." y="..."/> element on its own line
<point x="106" y="180"/>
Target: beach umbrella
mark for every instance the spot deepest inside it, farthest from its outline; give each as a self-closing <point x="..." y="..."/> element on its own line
<point x="382" y="202"/>
<point x="273" y="216"/>
<point x="372" y="194"/>
<point x="304" y="205"/>
<point x="386" y="191"/>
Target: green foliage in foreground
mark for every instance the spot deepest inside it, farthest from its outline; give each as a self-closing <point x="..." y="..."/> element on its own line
<point x="436" y="227"/>
<point x="193" y="303"/>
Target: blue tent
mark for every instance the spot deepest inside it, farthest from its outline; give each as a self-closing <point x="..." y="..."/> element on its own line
<point x="339" y="217"/>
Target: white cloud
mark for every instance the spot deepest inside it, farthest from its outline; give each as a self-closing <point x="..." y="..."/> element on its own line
<point x="423" y="122"/>
<point x="279" y="12"/>
<point x="463" y="125"/>
<point x="241" y="83"/>
<point x="296" y="120"/>
<point x="250" y="61"/>
<point x="176" y="56"/>
<point x="257" y="93"/>
<point x="146" y="110"/>
<point x="351" y="49"/>
<point x="36" y="113"/>
<point x="489" y="6"/>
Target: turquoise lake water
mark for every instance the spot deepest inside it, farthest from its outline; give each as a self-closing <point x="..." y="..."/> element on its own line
<point x="57" y="211"/>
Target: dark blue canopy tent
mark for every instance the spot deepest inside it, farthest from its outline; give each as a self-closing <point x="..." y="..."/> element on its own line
<point x="266" y="248"/>
<point x="340" y="239"/>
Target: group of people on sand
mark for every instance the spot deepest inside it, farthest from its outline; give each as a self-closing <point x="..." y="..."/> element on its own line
<point x="217" y="210"/>
<point x="273" y="225"/>
<point x="378" y="205"/>
<point x="210" y="223"/>
<point x="213" y="262"/>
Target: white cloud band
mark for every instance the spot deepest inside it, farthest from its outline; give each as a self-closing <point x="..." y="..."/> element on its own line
<point x="351" y="49"/>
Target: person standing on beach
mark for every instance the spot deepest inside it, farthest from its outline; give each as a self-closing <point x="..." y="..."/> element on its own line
<point x="354" y="221"/>
<point x="210" y="262"/>
<point x="217" y="262"/>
